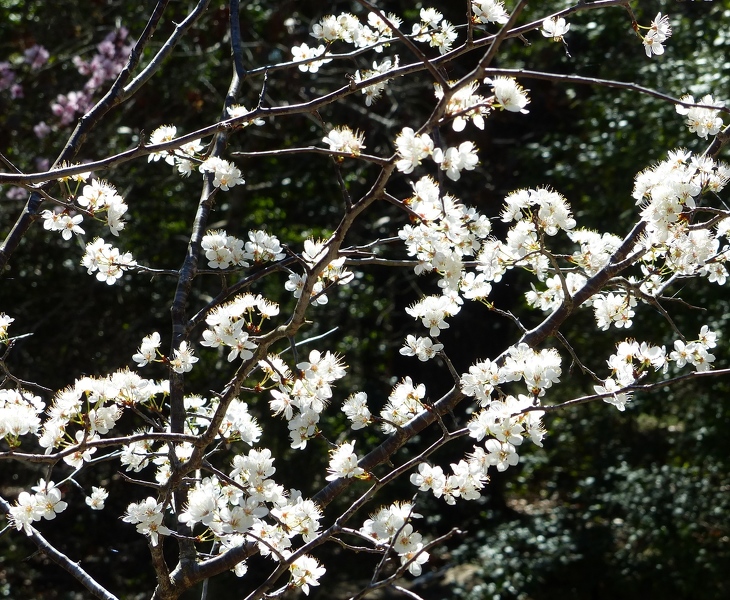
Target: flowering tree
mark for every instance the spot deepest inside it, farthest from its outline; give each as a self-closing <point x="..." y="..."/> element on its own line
<point x="210" y="484"/>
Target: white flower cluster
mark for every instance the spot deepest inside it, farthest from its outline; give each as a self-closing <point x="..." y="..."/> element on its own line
<point x="404" y="402"/>
<point x="97" y="498"/>
<point x="504" y="423"/>
<point x="225" y="173"/>
<point x="343" y="139"/>
<point x="465" y="482"/>
<point x="107" y="262"/>
<point x="182" y="158"/>
<point x="46" y="503"/>
<point x="412" y="148"/>
<point x="182" y="360"/>
<point x="702" y="121"/>
<point x="301" y="400"/>
<point x="508" y="94"/>
<point x="665" y="192"/>
<point x="670" y="248"/>
<point x="421" y="347"/>
<point x="447" y="232"/>
<point x="465" y="105"/>
<point x="390" y="526"/>
<point x="236" y="111"/>
<point x="659" y="31"/>
<point x="548" y="210"/>
<point x="223" y="250"/>
<point x="373" y="92"/>
<point x="595" y="251"/>
<point x="508" y="422"/>
<point x="148" y="516"/>
<point x="455" y="160"/>
<point x="489" y="11"/>
<point x="435" y="30"/>
<point x="375" y="34"/>
<point x="137" y="455"/>
<point x="539" y="370"/>
<point x="535" y="212"/>
<point x="346" y="27"/>
<point x="695" y="353"/>
<point x="161" y="135"/>
<point x="106" y="396"/>
<point x="233" y="512"/>
<point x="613" y="309"/>
<point x="229" y="324"/>
<point x="343" y="462"/>
<point x="305" y="571"/>
<point x="305" y="53"/>
<point x="19" y="410"/>
<point x="552" y="297"/>
<point x="632" y="359"/>
<point x="262" y="247"/>
<point x="433" y="310"/>
<point x="334" y="273"/>
<point x="62" y="221"/>
<point x="98" y="197"/>
<point x="147" y="352"/>
<point x="356" y="410"/>
<point x="237" y="424"/>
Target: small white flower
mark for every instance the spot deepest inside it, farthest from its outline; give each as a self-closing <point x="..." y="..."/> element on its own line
<point x="412" y="149"/>
<point x="343" y="139"/>
<point x="148" y="350"/>
<point x="508" y="94"/>
<point x="555" y="28"/>
<point x="343" y="463"/>
<point x="305" y="571"/>
<point x="183" y="360"/>
<point x="304" y="52"/>
<point x="236" y="111"/>
<point x="225" y="174"/>
<point x="97" y="498"/>
<point x="702" y="121"/>
<point x="62" y="222"/>
<point x="165" y="133"/>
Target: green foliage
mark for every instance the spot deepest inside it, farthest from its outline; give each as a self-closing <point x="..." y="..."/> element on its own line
<point x="633" y="532"/>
